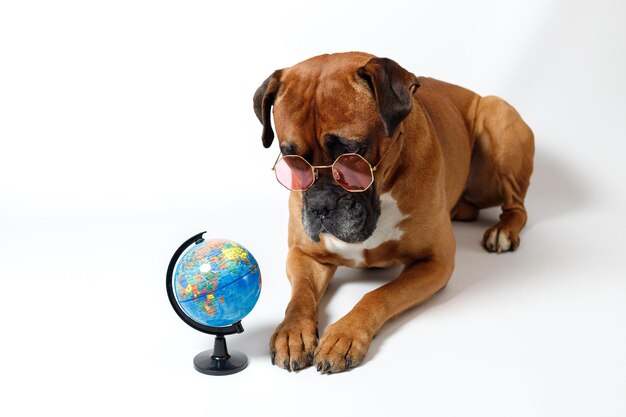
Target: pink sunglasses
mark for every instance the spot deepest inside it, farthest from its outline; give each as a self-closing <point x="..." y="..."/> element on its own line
<point x="351" y="171"/>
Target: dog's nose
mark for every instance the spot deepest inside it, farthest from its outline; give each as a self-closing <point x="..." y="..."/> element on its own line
<point x="321" y="202"/>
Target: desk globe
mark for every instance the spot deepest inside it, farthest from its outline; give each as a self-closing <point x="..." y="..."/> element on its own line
<point x="212" y="285"/>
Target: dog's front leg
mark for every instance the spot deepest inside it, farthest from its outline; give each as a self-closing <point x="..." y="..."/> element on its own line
<point x="345" y="343"/>
<point x="294" y="341"/>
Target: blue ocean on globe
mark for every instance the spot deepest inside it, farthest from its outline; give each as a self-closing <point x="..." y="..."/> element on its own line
<point x="217" y="282"/>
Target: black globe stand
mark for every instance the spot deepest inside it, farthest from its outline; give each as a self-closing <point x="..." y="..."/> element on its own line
<point x="219" y="361"/>
<point x="216" y="361"/>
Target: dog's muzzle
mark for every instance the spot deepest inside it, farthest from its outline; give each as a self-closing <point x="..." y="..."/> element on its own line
<point x="350" y="217"/>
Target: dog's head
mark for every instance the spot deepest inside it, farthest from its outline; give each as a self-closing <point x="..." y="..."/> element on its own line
<point x="327" y="106"/>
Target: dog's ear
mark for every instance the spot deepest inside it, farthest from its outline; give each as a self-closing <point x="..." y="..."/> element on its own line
<point x="263" y="101"/>
<point x="393" y="87"/>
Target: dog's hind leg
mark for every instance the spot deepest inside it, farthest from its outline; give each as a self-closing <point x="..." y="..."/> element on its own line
<point x="502" y="163"/>
<point x="464" y="211"/>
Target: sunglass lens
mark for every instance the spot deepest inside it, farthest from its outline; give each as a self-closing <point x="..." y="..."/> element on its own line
<point x="353" y="172"/>
<point x="294" y="173"/>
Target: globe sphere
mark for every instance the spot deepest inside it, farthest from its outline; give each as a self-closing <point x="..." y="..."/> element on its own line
<point x="217" y="282"/>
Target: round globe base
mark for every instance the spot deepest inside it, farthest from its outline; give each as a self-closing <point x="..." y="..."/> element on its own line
<point x="208" y="363"/>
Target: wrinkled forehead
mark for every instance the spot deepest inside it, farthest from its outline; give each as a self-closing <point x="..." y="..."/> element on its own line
<point x="311" y="106"/>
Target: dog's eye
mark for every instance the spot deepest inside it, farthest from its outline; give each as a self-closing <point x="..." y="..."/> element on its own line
<point x="353" y="148"/>
<point x="338" y="145"/>
<point x="289" y="148"/>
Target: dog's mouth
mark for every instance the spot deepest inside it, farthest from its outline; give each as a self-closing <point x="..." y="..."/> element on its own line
<point x="345" y="223"/>
<point x="349" y="217"/>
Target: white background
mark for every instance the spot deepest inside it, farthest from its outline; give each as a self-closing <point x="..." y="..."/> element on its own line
<point x="127" y="126"/>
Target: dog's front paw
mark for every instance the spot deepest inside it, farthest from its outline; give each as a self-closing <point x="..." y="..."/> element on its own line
<point x="500" y="238"/>
<point x="293" y="344"/>
<point x="342" y="347"/>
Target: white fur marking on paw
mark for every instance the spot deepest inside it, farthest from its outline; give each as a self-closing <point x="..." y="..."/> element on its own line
<point x="498" y="241"/>
<point x="490" y="243"/>
<point x="386" y="230"/>
<point x="504" y="244"/>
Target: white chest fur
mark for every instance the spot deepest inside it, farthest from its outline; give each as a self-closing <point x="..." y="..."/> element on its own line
<point x="386" y="229"/>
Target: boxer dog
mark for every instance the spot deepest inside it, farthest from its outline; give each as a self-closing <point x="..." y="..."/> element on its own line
<point x="379" y="162"/>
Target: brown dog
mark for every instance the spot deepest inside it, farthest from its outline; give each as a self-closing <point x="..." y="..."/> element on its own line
<point x="444" y="154"/>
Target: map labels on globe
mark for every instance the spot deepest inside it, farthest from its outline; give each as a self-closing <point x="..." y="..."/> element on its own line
<point x="217" y="282"/>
